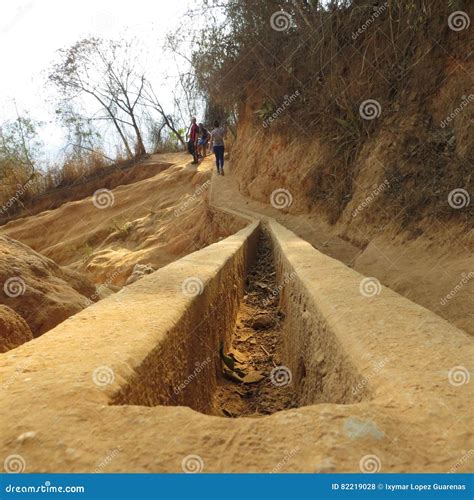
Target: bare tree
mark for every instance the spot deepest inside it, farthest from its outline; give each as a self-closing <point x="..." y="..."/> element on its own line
<point x="104" y="71"/>
<point x="150" y="100"/>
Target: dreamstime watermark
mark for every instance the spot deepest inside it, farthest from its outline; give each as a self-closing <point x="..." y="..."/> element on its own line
<point x="376" y="368"/>
<point x="458" y="198"/>
<point x="47" y="487"/>
<point x="281" y="376"/>
<point x="14" y="287"/>
<point x="369" y="199"/>
<point x="370" y="464"/>
<point x="281" y="198"/>
<point x="459" y="20"/>
<point x="104" y="286"/>
<point x="103" y="198"/>
<point x="19" y="193"/>
<point x="193" y="198"/>
<point x="459" y="375"/>
<point x="287" y="102"/>
<point x="465" y="101"/>
<point x="465" y="458"/>
<point x="14" y="464"/>
<point x="287" y="457"/>
<point x="370" y="109"/>
<point x="199" y="366"/>
<point x="281" y="20"/>
<point x="19" y="369"/>
<point x="106" y="461"/>
<point x="466" y="277"/>
<point x="378" y="11"/>
<point x="192" y="464"/>
<point x="193" y="286"/>
<point x="276" y="291"/>
<point x="103" y="375"/>
<point x="370" y="287"/>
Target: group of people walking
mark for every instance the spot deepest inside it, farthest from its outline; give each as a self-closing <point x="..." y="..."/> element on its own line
<point x="199" y="138"/>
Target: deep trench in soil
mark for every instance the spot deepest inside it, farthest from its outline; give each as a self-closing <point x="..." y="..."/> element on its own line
<point x="255" y="348"/>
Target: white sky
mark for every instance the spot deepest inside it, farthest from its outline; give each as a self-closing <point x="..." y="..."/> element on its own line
<point x="31" y="31"/>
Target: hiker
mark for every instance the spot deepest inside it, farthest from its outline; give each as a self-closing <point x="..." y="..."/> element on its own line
<point x="203" y="141"/>
<point x="193" y="140"/>
<point x="217" y="144"/>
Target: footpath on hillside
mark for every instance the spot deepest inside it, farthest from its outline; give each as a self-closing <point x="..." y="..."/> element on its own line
<point x="411" y="268"/>
<point x="225" y="194"/>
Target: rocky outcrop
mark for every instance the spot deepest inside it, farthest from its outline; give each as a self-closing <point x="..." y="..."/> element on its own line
<point x="139" y="271"/>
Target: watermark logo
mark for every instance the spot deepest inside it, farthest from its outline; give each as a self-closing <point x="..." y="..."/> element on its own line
<point x="281" y="376"/>
<point x="104" y="286"/>
<point x="106" y="460"/>
<point x="20" y="192"/>
<point x="459" y="20"/>
<point x="288" y="456"/>
<point x="465" y="279"/>
<point x="378" y="11"/>
<point x="18" y="371"/>
<point x="370" y="287"/>
<point x="370" y="109"/>
<point x="191" y="287"/>
<point x="280" y="20"/>
<point x="14" y="287"/>
<point x="465" y="101"/>
<point x="459" y="375"/>
<point x="14" y="464"/>
<point x="103" y="375"/>
<point x="197" y="370"/>
<point x="287" y="102"/>
<point x="192" y="464"/>
<point x="369" y="199"/>
<point x="370" y="464"/>
<point x="465" y="458"/>
<point x="103" y="198"/>
<point x="200" y="190"/>
<point x="459" y="198"/>
<point x="276" y="291"/>
<point x="281" y="198"/>
<point x="376" y="368"/>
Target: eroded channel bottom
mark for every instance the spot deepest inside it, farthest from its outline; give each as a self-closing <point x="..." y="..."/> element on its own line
<point x="251" y="344"/>
<point x="253" y="381"/>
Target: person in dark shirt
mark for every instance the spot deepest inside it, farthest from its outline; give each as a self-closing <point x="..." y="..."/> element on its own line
<point x="217" y="144"/>
<point x="193" y="140"/>
<point x="203" y="141"/>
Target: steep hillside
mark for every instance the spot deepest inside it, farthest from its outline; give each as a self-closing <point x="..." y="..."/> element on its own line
<point x="360" y="118"/>
<point x="425" y="257"/>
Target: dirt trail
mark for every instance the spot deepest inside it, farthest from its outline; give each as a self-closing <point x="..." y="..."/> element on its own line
<point x="255" y="348"/>
<point x="422" y="270"/>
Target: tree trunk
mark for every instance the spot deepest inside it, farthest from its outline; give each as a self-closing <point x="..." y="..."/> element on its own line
<point x="140" y="149"/>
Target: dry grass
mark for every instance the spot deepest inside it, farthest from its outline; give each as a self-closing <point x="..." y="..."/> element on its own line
<point x="19" y="186"/>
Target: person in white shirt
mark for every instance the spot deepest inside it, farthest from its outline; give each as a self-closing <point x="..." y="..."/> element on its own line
<point x="217" y="145"/>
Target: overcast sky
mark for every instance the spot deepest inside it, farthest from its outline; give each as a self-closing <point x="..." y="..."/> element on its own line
<point x="31" y="31"/>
